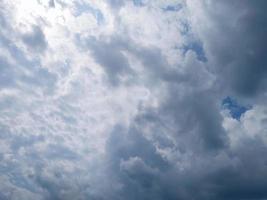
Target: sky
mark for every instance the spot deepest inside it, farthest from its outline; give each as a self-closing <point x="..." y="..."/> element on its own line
<point x="133" y="100"/>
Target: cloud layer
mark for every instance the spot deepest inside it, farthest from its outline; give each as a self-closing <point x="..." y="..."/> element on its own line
<point x="128" y="100"/>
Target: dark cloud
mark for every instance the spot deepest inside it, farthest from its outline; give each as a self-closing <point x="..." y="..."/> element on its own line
<point x="235" y="181"/>
<point x="191" y="117"/>
<point x="215" y="170"/>
<point x="110" y="56"/>
<point x="180" y="124"/>
<point x="231" y="174"/>
<point x="237" y="41"/>
<point x="135" y="162"/>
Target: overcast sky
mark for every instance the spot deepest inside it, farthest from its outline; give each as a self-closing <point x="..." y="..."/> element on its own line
<point x="133" y="100"/>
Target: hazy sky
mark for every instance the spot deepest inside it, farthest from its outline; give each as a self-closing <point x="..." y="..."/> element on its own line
<point x="133" y="100"/>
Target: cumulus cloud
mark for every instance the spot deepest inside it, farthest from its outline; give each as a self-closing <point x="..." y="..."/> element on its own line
<point x="133" y="100"/>
<point x="233" y="35"/>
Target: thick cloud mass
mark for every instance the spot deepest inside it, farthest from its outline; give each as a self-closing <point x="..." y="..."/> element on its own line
<point x="234" y="37"/>
<point x="136" y="99"/>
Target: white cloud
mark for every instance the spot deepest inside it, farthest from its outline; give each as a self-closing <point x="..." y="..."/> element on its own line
<point x="114" y="100"/>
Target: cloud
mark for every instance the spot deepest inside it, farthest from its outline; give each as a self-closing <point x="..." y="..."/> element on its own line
<point x="132" y="100"/>
<point x="111" y="58"/>
<point x="35" y="40"/>
<point x="116" y="3"/>
<point x="235" y="42"/>
<point x="52" y="3"/>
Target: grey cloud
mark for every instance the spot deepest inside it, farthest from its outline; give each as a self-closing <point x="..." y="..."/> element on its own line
<point x="25" y="70"/>
<point x="224" y="175"/>
<point x="49" y="3"/>
<point x="176" y="149"/>
<point x="197" y="114"/>
<point x="235" y="181"/>
<point x="57" y="151"/>
<point x="6" y="77"/>
<point x="236" y="40"/>
<point x="155" y="63"/>
<point x="24" y="141"/>
<point x="116" y="3"/>
<point x="215" y="169"/>
<point x="41" y="78"/>
<point x="11" y="75"/>
<point x="109" y="55"/>
<point x="188" y="114"/>
<point x="35" y="40"/>
<point x="143" y="171"/>
<point x="127" y="142"/>
<point x="2" y="20"/>
<point x="134" y="161"/>
<point x="52" y="3"/>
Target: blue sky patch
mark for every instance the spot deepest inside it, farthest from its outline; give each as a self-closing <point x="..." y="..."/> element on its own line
<point x="197" y="48"/>
<point x="236" y="110"/>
